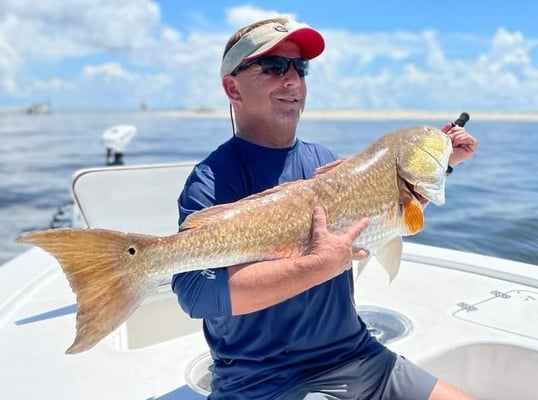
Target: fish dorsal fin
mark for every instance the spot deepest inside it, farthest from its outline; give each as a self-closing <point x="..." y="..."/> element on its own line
<point x="199" y="218"/>
<point x="413" y="217"/>
<point x="202" y="217"/>
<point x="328" y="167"/>
<point x="390" y="256"/>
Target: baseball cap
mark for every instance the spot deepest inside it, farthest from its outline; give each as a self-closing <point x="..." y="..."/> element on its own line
<point x="265" y="37"/>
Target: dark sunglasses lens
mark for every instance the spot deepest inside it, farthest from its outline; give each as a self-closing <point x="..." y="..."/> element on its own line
<point x="301" y="66"/>
<point x="274" y="65"/>
<point x="279" y="65"/>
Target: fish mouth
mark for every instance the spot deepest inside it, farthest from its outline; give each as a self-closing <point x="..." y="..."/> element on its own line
<point x="420" y="198"/>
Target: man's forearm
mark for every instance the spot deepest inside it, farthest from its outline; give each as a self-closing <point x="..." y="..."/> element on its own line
<point x="256" y="286"/>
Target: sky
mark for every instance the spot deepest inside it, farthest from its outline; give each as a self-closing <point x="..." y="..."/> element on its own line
<point x="383" y="55"/>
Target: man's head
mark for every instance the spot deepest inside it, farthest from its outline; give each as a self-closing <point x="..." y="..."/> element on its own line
<point x="260" y="38"/>
<point x="263" y="70"/>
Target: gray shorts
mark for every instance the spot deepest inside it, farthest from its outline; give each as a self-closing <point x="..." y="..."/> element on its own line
<point x="406" y="381"/>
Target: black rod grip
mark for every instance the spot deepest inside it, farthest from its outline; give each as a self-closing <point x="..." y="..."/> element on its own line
<point x="462" y="119"/>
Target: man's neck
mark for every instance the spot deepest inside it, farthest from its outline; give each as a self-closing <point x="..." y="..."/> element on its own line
<point x="273" y="136"/>
<point x="267" y="140"/>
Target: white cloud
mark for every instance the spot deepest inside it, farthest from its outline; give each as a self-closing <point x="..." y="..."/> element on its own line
<point x="52" y="85"/>
<point x="412" y="70"/>
<point x="108" y="71"/>
<point x="110" y="84"/>
<point x="129" y="51"/>
<point x="9" y="58"/>
<point x="244" y="15"/>
<point x="9" y="61"/>
<point x="52" y="29"/>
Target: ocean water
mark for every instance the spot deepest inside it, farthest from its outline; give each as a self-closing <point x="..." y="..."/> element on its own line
<point x="491" y="201"/>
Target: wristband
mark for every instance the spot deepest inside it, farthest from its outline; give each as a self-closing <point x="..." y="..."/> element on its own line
<point x="449" y="170"/>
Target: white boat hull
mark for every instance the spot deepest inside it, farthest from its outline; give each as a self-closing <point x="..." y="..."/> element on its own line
<point x="473" y="319"/>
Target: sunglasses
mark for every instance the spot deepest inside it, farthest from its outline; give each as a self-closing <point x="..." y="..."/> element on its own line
<point x="277" y="65"/>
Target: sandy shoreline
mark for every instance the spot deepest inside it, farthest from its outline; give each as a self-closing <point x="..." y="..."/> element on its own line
<point x="367" y="115"/>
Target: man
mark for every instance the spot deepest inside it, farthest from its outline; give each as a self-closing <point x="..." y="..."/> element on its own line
<point x="286" y="329"/>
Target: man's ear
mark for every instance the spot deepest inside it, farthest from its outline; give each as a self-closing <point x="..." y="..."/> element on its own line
<point x="231" y="88"/>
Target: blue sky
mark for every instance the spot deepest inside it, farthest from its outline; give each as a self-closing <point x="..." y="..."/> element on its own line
<point x="474" y="55"/>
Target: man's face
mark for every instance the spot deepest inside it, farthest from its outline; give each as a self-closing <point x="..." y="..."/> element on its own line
<point x="281" y="98"/>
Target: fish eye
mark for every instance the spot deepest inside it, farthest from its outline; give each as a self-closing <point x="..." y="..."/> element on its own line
<point x="131" y="250"/>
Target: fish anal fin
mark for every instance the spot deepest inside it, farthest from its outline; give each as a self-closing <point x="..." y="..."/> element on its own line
<point x="413" y="217"/>
<point x="390" y="257"/>
<point x="100" y="266"/>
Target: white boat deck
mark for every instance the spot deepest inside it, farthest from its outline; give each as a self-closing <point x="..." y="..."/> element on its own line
<point x="474" y="330"/>
<point x="474" y="323"/>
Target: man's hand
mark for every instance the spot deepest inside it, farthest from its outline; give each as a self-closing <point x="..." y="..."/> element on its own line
<point x="335" y="250"/>
<point x="463" y="144"/>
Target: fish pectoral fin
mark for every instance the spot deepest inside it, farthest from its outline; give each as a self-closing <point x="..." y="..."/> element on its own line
<point x="359" y="267"/>
<point x="413" y="217"/>
<point x="390" y="256"/>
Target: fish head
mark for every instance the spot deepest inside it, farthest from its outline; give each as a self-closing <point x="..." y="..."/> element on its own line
<point x="422" y="163"/>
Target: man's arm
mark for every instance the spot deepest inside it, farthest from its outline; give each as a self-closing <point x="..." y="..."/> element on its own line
<point x="247" y="288"/>
<point x="256" y="286"/>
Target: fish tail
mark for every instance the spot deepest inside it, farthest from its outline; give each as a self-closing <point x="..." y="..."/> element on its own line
<point x="103" y="270"/>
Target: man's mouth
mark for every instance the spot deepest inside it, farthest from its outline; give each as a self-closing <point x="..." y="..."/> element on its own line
<point x="288" y="100"/>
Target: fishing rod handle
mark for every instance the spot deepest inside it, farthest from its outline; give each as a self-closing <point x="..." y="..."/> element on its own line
<point x="462" y="120"/>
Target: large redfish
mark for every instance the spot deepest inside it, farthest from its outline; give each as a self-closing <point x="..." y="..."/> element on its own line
<point x="390" y="182"/>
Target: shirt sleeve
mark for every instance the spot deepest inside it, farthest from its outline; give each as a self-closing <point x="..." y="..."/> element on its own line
<point x="204" y="293"/>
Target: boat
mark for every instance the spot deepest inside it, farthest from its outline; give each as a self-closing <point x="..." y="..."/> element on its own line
<point x="470" y="319"/>
<point x="39" y="108"/>
<point x="115" y="139"/>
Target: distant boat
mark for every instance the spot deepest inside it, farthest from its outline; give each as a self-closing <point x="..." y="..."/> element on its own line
<point x="39" y="108"/>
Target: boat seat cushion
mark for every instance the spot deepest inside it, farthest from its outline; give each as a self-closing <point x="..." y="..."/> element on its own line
<point x="139" y="198"/>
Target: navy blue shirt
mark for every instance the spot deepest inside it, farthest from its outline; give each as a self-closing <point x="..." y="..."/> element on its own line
<point x="262" y="354"/>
